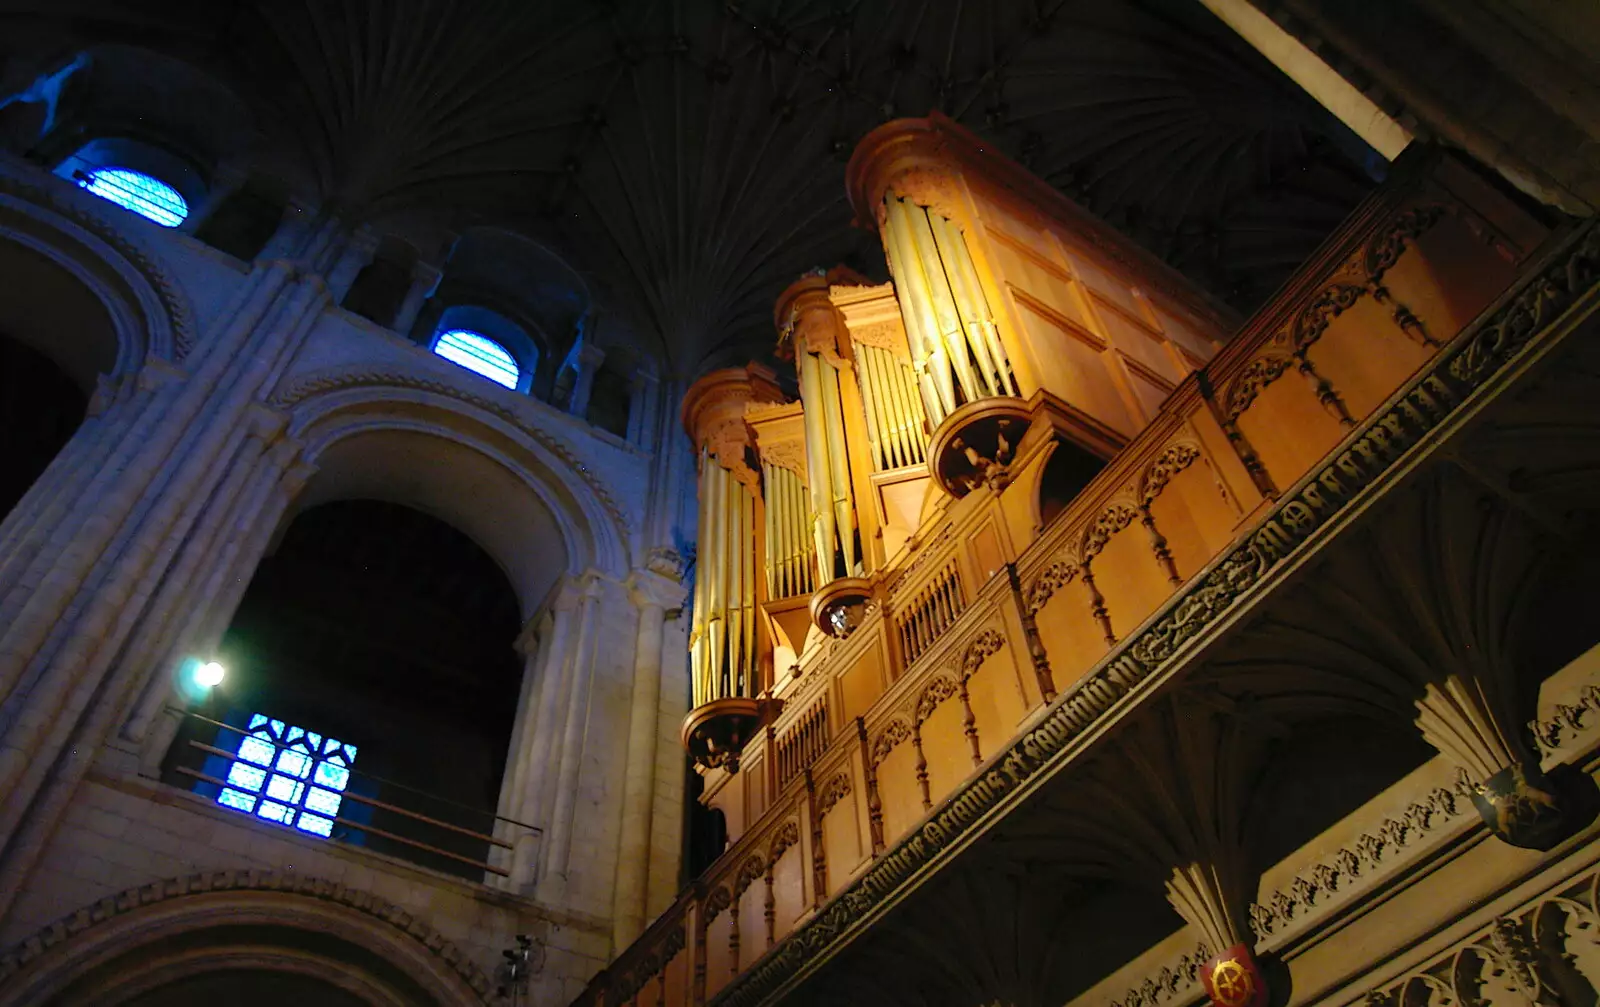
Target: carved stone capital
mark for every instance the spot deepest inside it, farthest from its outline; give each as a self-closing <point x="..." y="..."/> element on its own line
<point x="650" y="589"/>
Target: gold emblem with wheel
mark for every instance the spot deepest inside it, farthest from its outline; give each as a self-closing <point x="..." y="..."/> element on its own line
<point x="1232" y="985"/>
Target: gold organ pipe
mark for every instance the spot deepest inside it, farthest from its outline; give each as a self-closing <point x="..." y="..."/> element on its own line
<point x="776" y="588"/>
<point x="838" y="466"/>
<point x="872" y="392"/>
<point x="716" y="501"/>
<point x="895" y="457"/>
<point x="747" y="595"/>
<point x="785" y="486"/>
<point x="822" y="515"/>
<point x="968" y="316"/>
<point x="735" y="588"/>
<point x="886" y="367"/>
<point x="988" y="331"/>
<point x="912" y="432"/>
<point x="933" y="378"/>
<point x="698" y="644"/>
<point x="944" y="305"/>
<point x="869" y="402"/>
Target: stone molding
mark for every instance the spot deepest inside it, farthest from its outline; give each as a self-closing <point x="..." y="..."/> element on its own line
<point x="1359" y="863"/>
<point x="177" y="312"/>
<point x="1178" y="982"/>
<point x="1370" y="452"/>
<point x="70" y="927"/>
<point x="296" y="391"/>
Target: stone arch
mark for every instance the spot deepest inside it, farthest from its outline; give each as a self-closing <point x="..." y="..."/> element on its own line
<point x="336" y="413"/>
<point x="133" y="310"/>
<point x="263" y="921"/>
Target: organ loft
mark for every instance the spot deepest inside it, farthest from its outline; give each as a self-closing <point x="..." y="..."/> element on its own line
<point x="737" y="505"/>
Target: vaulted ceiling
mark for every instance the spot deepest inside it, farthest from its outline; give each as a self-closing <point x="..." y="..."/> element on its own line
<point x="687" y="155"/>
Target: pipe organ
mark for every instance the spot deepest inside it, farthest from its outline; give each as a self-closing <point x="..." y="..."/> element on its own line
<point x="1015" y="325"/>
<point x="995" y="495"/>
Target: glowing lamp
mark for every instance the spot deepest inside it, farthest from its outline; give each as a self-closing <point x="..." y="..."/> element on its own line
<point x="209" y="674"/>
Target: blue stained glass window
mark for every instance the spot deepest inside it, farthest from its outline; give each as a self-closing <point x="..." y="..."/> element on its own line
<point x="149" y="197"/>
<point x="276" y="759"/>
<point x="315" y="824"/>
<point x="478" y="353"/>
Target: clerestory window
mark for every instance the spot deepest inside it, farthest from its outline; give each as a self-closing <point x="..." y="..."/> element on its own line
<point x="288" y="775"/>
<point x="145" y="195"/>
<point x="479" y="353"/>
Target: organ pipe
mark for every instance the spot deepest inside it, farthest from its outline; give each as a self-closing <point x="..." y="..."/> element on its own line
<point x="791" y="563"/>
<point x="955" y="344"/>
<point x="895" y="418"/>
<point x="722" y="637"/>
<point x="833" y="509"/>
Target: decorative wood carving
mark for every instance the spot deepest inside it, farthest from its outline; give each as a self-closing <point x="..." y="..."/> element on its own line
<point x="719" y="899"/>
<point x="931" y="188"/>
<point x="1255" y="376"/>
<point x="1112" y="520"/>
<point x="832" y="792"/>
<point x="979" y="650"/>
<point x="937" y="691"/>
<point x="898" y="731"/>
<point x="787" y="836"/>
<point x="1172" y="461"/>
<point x="1055" y="577"/>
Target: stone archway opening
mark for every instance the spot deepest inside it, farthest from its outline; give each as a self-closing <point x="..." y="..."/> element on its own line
<point x="55" y="340"/>
<point x="374" y="655"/>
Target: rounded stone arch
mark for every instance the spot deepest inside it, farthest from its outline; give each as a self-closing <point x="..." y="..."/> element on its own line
<point x="311" y="933"/>
<point x="466" y="460"/>
<point x="81" y="293"/>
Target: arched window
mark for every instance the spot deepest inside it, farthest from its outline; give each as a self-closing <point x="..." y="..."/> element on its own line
<point x="154" y="183"/>
<point x="145" y="195"/>
<point x="477" y="352"/>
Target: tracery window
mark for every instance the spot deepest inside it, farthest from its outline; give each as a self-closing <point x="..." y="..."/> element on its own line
<point x="145" y="195"/>
<point x="289" y="775"/>
<point x="477" y="352"/>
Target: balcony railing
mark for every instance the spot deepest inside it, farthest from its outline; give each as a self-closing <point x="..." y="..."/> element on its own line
<point x="295" y="786"/>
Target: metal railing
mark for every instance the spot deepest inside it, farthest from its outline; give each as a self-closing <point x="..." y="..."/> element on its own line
<point x="466" y="845"/>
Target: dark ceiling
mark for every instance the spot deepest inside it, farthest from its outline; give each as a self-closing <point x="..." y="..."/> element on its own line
<point x="687" y="155"/>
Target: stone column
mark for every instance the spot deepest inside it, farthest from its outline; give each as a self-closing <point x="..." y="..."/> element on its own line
<point x="529" y="802"/>
<point x="641" y="407"/>
<point x="588" y="358"/>
<point x="569" y="751"/>
<point x="533" y="643"/>
<point x="348" y="262"/>
<point x="86" y="582"/>
<point x="214" y="597"/>
<point x="653" y="595"/>
<point x="424" y="281"/>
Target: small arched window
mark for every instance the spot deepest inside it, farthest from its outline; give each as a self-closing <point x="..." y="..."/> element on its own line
<point x="479" y="353"/>
<point x="145" y="195"/>
<point x="156" y="184"/>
